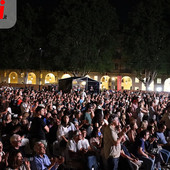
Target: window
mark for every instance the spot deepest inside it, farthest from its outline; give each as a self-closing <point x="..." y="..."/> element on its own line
<point x="96" y="78"/>
<point x="136" y="88"/>
<point x="158" y="80"/>
<point x="136" y="80"/>
<point x="22" y="75"/>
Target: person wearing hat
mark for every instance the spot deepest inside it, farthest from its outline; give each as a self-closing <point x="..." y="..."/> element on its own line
<point x="112" y="142"/>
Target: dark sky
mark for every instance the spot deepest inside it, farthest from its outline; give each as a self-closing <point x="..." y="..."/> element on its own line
<point x="122" y="6"/>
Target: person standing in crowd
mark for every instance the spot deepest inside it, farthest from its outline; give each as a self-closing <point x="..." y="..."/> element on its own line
<point x="4" y="104"/>
<point x="38" y="128"/>
<point x="25" y="106"/>
<point x="74" y="156"/>
<point x="166" y="119"/>
<point x="152" y="112"/>
<point x="112" y="140"/>
<point x="89" y="114"/>
<point x="65" y="131"/>
<point x="142" y="112"/>
<point x="83" y="95"/>
<point x="84" y="147"/>
<point x="134" y="108"/>
<point x="100" y="105"/>
<point x="3" y="157"/>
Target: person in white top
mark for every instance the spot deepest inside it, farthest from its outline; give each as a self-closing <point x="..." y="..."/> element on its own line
<point x="83" y="145"/>
<point x="73" y="153"/>
<point x="25" y="106"/>
<point x="64" y="130"/>
<point x="72" y="143"/>
<point x="83" y="95"/>
<point x="152" y="112"/>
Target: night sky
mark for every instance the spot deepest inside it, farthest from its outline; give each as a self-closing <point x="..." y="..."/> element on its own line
<point x="123" y="7"/>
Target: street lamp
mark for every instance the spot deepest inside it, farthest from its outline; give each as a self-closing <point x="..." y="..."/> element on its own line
<point x="40" y="49"/>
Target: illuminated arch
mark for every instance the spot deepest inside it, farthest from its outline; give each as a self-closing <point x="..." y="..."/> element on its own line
<point x="167" y="85"/>
<point x="126" y="83"/>
<point x="13" y="77"/>
<point x="65" y="76"/>
<point x="49" y="78"/>
<point x="31" y="78"/>
<point x="105" y="82"/>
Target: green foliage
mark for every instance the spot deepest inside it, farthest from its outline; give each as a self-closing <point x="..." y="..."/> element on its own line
<point x="84" y="36"/>
<point x="20" y="43"/>
<point x="146" y="38"/>
<point x="75" y="35"/>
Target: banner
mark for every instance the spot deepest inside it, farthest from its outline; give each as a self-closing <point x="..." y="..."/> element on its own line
<point x="119" y="81"/>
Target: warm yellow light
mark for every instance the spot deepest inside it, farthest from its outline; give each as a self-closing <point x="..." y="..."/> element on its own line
<point x="96" y="78"/>
<point x="83" y="83"/>
<point x="74" y="81"/>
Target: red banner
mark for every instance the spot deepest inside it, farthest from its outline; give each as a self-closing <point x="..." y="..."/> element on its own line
<point x="119" y="80"/>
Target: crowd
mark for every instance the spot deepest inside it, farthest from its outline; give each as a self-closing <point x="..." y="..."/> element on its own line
<point x="110" y="130"/>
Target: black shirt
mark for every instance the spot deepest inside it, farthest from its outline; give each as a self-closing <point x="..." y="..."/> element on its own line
<point x="37" y="128"/>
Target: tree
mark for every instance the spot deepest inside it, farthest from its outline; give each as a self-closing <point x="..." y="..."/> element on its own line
<point x="146" y="40"/>
<point x="20" y="49"/>
<point x="84" y="37"/>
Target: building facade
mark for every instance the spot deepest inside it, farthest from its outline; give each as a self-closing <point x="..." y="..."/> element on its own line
<point x="126" y="81"/>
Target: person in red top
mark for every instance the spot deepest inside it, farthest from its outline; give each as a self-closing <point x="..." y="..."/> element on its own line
<point x="19" y="101"/>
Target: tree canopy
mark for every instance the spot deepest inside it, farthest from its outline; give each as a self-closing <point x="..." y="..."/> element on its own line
<point x="78" y="36"/>
<point x="146" y="40"/>
<point x="85" y="35"/>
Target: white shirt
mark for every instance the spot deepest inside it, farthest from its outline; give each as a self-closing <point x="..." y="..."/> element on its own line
<point x="83" y="95"/>
<point x="83" y="144"/>
<point x="72" y="145"/>
<point x="64" y="131"/>
<point x="106" y="122"/>
<point x="25" y="107"/>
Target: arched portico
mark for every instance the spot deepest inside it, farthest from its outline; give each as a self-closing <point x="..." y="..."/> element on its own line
<point x="49" y="78"/>
<point x="13" y="77"/>
<point x="105" y="82"/>
<point x="31" y="78"/>
<point x="126" y="83"/>
<point x="65" y="76"/>
<point x="167" y="85"/>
